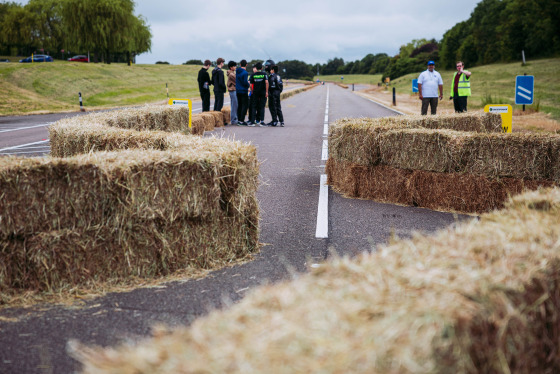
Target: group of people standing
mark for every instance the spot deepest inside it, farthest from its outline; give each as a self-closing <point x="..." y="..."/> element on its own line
<point x="248" y="94"/>
<point x="430" y="82"/>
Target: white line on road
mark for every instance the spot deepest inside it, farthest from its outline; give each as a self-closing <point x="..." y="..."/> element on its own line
<point x="322" y="230"/>
<point x="27" y="127"/>
<point x="325" y="154"/>
<point x="23" y="145"/>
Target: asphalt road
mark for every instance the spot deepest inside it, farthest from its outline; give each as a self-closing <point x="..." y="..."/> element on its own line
<point x="34" y="340"/>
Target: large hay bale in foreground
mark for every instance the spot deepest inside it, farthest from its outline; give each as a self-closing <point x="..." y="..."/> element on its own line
<point x="479" y="298"/>
<point x="143" y="201"/>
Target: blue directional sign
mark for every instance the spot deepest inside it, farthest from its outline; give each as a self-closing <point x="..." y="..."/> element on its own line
<point x="524" y="89"/>
<point x="415" y="85"/>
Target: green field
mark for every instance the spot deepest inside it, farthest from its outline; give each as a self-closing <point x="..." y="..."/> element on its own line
<point x="54" y="86"/>
<point x="496" y="81"/>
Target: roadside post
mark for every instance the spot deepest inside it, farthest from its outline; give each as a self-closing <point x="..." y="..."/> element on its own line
<point x="167" y="89"/>
<point x="183" y="102"/>
<point x="82" y="109"/>
<point x="505" y="111"/>
<point x="394" y="96"/>
<point x="524" y="90"/>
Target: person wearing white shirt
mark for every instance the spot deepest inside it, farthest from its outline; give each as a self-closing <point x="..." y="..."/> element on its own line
<point x="429" y="83"/>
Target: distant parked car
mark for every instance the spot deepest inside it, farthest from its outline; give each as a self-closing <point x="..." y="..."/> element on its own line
<point x="38" y="58"/>
<point x="79" y="58"/>
<point x="4" y="60"/>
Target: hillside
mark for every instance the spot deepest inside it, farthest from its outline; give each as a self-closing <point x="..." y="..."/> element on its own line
<point x="53" y="87"/>
<point x="496" y="81"/>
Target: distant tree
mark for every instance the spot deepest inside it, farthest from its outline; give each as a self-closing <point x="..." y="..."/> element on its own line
<point x="105" y="27"/>
<point x="295" y="69"/>
<point x="194" y="62"/>
<point x="48" y="26"/>
<point x="332" y="66"/>
<point x="162" y="63"/>
<point x="17" y="29"/>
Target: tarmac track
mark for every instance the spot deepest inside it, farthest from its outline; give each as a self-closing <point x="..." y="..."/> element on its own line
<point x="34" y="340"/>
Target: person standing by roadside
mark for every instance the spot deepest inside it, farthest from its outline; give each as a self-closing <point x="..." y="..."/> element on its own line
<point x="429" y="83"/>
<point x="204" y="83"/>
<point x="231" y="78"/>
<point x="275" y="87"/>
<point x="219" y="84"/>
<point x="242" y="89"/>
<point x="460" y="88"/>
<point x="259" y="94"/>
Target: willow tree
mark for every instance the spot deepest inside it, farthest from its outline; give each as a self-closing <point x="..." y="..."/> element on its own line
<point x="48" y="26"/>
<point x="105" y="27"/>
<point x="17" y="29"/>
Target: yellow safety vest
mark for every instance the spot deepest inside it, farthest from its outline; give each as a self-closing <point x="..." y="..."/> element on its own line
<point x="464" y="87"/>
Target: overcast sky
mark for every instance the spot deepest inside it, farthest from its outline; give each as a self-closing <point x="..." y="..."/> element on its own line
<point x="308" y="30"/>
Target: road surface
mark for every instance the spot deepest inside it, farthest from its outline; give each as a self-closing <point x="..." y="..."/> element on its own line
<point x="34" y="340"/>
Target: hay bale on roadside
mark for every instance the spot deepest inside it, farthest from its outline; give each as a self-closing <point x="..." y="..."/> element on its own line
<point x="380" y="183"/>
<point x="198" y="125"/>
<point x="209" y="121"/>
<point x="481" y="297"/>
<point x="227" y="114"/>
<point x="218" y="118"/>
<point x="68" y="139"/>
<point x="201" y="186"/>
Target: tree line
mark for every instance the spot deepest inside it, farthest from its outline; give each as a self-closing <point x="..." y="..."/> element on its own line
<point x="496" y="31"/>
<point x="107" y="29"/>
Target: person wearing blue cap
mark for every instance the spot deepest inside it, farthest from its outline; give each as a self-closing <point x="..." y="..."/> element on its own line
<point x="429" y="83"/>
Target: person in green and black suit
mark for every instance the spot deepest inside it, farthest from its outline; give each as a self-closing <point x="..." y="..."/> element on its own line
<point x="259" y="94"/>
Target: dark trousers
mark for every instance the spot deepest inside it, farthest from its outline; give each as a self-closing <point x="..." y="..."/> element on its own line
<point x="205" y="96"/>
<point x="429" y="101"/>
<point x="275" y="107"/>
<point x="460" y="103"/>
<point x="242" y="106"/>
<point x="258" y="103"/>
<point x="218" y="101"/>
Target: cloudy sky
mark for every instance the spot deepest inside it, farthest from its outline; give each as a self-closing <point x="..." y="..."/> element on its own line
<point x="308" y="30"/>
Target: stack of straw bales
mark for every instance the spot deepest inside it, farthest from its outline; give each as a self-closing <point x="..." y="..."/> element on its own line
<point x="483" y="297"/>
<point x="455" y="162"/>
<point x="169" y="202"/>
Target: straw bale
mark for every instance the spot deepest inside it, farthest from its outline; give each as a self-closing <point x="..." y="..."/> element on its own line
<point x="380" y="183"/>
<point x="200" y="181"/>
<point x="205" y="186"/>
<point x="209" y="121"/>
<point x="69" y="139"/>
<point x="423" y="149"/>
<point x="197" y="125"/>
<point x="219" y="118"/>
<point x="50" y="261"/>
<point x="227" y="114"/>
<point x="457" y="192"/>
<point x="481" y="297"/>
<point x="496" y="155"/>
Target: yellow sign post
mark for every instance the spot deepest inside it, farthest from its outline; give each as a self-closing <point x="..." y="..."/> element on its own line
<point x="186" y="102"/>
<point x="506" y="112"/>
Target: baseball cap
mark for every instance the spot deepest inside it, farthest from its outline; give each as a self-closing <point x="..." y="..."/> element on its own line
<point x="431" y="62"/>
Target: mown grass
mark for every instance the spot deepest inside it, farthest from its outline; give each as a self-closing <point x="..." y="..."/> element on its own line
<point x="496" y="81"/>
<point x="52" y="87"/>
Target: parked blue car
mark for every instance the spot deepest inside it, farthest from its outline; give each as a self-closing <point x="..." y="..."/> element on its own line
<point x="38" y="58"/>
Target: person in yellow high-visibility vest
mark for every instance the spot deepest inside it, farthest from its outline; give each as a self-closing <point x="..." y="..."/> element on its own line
<point x="460" y="88"/>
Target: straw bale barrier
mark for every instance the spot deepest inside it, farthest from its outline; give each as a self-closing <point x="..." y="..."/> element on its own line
<point x="457" y="192"/>
<point x="227" y="114"/>
<point x="197" y="125"/>
<point x="219" y="120"/>
<point x="149" y="117"/>
<point x="495" y="155"/>
<point x="107" y="215"/>
<point x="482" y="297"/>
<point x="209" y="121"/>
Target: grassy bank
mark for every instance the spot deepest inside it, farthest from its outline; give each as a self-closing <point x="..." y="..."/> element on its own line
<point x="51" y="87"/>
<point x="491" y="84"/>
